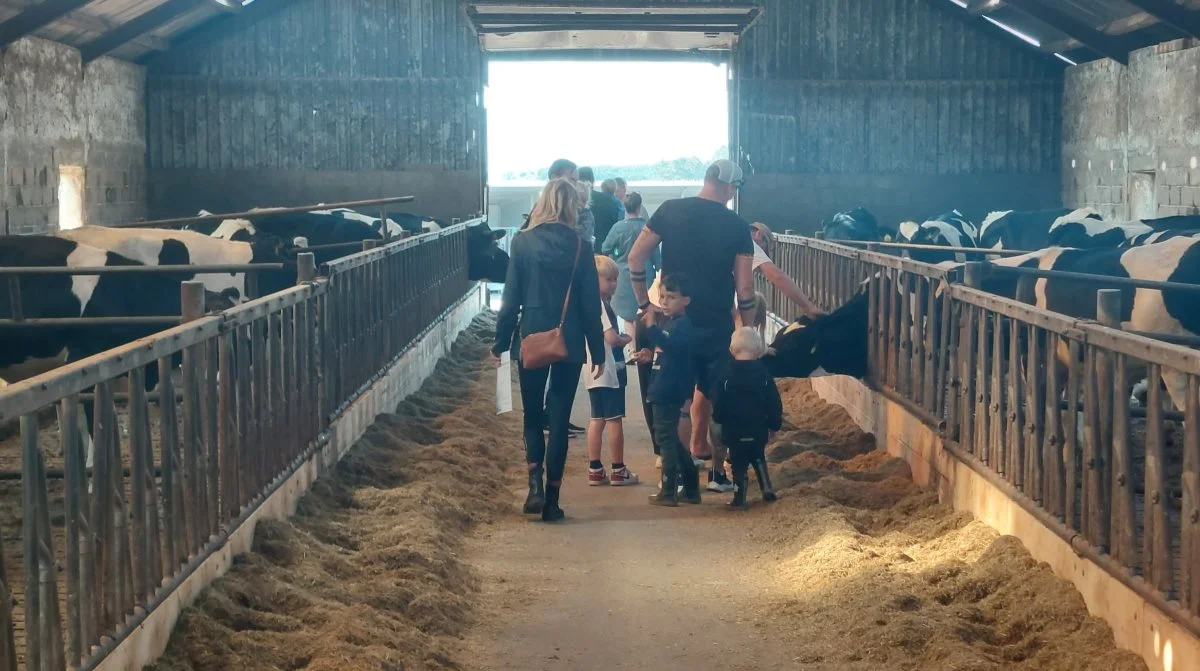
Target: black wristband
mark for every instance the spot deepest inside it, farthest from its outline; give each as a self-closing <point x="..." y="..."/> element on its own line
<point x="645" y="305"/>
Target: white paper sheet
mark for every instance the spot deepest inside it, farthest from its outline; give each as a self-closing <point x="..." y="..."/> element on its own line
<point x="504" y="385"/>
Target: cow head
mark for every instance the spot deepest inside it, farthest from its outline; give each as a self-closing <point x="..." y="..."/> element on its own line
<point x="857" y="224"/>
<point x="485" y="259"/>
<point x="835" y="344"/>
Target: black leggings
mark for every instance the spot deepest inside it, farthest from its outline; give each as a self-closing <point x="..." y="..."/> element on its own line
<point x="554" y="406"/>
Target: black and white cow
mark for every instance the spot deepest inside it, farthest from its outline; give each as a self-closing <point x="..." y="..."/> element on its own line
<point x="951" y="229"/>
<point x="485" y="260"/>
<point x="857" y="224"/>
<point x="1096" y="234"/>
<point x="160" y="247"/>
<point x="1026" y="230"/>
<point x="1159" y="236"/>
<point x="25" y="352"/>
<point x="398" y="223"/>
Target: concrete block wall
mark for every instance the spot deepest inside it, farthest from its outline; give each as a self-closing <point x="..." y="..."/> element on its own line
<point x="1124" y="125"/>
<point x="54" y="111"/>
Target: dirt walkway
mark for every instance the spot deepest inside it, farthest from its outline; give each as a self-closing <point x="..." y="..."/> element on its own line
<point x="621" y="584"/>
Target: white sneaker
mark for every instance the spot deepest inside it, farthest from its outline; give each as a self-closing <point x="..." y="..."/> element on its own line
<point x="720" y="483"/>
<point x="622" y="477"/>
<point x="699" y="462"/>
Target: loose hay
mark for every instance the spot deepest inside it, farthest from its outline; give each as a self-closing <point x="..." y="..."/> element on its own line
<point x="870" y="572"/>
<point x="367" y="575"/>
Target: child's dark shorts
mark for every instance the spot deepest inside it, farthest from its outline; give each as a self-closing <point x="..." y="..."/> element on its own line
<point x="607" y="402"/>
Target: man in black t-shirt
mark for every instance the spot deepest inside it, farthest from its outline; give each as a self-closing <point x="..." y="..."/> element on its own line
<point x="706" y="241"/>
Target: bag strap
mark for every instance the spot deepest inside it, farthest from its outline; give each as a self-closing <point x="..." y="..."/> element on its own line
<point x="567" y="301"/>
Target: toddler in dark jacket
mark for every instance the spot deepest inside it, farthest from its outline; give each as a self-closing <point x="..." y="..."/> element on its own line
<point x="747" y="407"/>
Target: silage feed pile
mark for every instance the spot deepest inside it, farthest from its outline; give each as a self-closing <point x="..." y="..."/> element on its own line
<point x="367" y="574"/>
<point x="867" y="571"/>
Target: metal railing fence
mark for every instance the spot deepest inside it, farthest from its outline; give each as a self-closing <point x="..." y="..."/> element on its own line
<point x="1038" y="403"/>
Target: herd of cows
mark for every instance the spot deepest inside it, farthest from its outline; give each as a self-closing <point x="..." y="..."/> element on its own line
<point x="269" y="239"/>
<point x="1079" y="241"/>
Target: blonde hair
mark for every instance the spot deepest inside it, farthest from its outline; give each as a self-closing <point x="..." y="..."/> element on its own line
<point x="584" y="189"/>
<point x="606" y="267"/>
<point x="747" y="341"/>
<point x="558" y="204"/>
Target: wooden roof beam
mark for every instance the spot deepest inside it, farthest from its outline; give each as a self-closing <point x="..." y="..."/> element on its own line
<point x="35" y="17"/>
<point x="1069" y="25"/>
<point x="136" y="27"/>
<point x="1172" y="14"/>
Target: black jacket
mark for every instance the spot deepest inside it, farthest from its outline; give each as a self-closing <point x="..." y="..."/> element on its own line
<point x="746" y="402"/>
<point x="539" y="269"/>
<point x="674" y="376"/>
<point x="607" y="211"/>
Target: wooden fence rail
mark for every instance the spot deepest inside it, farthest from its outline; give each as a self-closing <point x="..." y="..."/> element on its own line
<point x="168" y="482"/>
<point x="1039" y="401"/>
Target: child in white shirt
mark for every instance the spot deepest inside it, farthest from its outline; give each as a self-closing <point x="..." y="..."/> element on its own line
<point x="607" y="393"/>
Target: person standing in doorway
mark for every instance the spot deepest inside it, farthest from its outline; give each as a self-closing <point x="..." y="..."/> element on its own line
<point x="603" y="207"/>
<point x="702" y="238"/>
<point x="551" y="283"/>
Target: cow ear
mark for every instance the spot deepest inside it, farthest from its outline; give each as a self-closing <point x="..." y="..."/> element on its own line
<point x="499" y="234"/>
<point x="887" y="238"/>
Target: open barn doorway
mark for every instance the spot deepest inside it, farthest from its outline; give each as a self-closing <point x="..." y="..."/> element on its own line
<point x="636" y="90"/>
<point x="655" y="124"/>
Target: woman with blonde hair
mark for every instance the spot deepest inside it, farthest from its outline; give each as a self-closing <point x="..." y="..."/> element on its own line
<point x="551" y="283"/>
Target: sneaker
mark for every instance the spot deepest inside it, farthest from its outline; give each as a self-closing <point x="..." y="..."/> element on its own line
<point x="719" y="483"/>
<point x="620" y="477"/>
<point x="699" y="462"/>
<point x="597" y="476"/>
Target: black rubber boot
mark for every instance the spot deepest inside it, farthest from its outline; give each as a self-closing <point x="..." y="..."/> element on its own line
<point x="741" y="481"/>
<point x="551" y="512"/>
<point x="537" y="495"/>
<point x="666" y="495"/>
<point x="690" y="479"/>
<point x="764" y="480"/>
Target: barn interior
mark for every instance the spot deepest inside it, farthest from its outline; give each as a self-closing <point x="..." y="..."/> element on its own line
<point x="909" y="108"/>
<point x="115" y="112"/>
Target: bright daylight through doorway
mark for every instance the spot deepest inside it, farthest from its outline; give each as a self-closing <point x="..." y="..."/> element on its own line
<point x="657" y="124"/>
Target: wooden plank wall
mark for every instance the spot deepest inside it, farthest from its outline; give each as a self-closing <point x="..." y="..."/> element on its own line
<point x="320" y="94"/>
<point x="893" y="104"/>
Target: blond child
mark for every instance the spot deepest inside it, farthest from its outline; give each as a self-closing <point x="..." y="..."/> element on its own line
<point x="607" y="392"/>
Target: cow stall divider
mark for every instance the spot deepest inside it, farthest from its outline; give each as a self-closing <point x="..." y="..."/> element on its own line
<point x="261" y="385"/>
<point x="1037" y="403"/>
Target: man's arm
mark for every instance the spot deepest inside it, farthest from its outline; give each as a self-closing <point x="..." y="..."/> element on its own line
<point x="743" y="277"/>
<point x="784" y="283"/>
<point x="643" y="247"/>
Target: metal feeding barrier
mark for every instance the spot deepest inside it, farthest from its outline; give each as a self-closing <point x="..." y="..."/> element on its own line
<point x="1037" y="403"/>
<point x="266" y="212"/>
<point x="259" y="386"/>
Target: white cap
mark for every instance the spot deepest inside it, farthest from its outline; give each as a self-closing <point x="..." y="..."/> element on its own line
<point x="725" y="171"/>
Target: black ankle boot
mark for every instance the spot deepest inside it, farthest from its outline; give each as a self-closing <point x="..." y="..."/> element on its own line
<point x="740" y="483"/>
<point x="764" y="480"/>
<point x="551" y="512"/>
<point x="690" y="479"/>
<point x="537" y="495"/>
<point x="666" y="495"/>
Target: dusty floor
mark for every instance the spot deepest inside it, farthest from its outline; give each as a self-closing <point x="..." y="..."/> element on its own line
<point x="415" y="557"/>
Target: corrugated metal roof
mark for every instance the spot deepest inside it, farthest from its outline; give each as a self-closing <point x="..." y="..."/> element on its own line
<point x="1086" y="30"/>
<point x="1078" y="30"/>
<point x="167" y="19"/>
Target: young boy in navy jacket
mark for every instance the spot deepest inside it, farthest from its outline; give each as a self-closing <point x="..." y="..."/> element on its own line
<point x="674" y="381"/>
<point x="747" y="407"/>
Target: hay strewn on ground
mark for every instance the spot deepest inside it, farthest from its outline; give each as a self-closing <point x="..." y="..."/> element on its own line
<point x="367" y="575"/>
<point x="866" y="571"/>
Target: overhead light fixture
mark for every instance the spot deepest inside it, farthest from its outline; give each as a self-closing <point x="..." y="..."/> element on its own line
<point x="1064" y="59"/>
